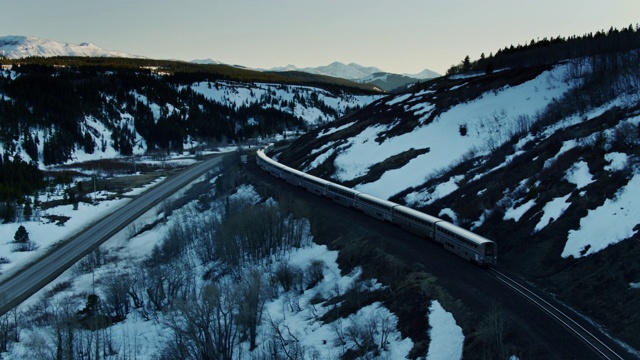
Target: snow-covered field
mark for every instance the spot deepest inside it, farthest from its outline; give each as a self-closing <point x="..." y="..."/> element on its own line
<point x="143" y="337"/>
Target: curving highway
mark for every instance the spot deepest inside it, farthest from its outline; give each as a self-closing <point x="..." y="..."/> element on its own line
<point x="33" y="277"/>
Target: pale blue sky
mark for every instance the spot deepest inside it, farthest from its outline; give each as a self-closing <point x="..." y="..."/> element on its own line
<point x="402" y="36"/>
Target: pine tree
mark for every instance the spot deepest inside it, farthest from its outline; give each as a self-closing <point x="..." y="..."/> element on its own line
<point x="466" y="64"/>
<point x="21" y="236"/>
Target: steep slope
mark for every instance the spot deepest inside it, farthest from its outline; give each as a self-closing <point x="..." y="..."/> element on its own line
<point x="542" y="159"/>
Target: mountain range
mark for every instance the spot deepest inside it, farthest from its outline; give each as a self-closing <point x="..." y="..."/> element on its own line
<point x="353" y="71"/>
<point x="364" y="74"/>
<point x="14" y="47"/>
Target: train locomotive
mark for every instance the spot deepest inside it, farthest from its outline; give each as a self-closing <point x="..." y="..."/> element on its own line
<point x="462" y="242"/>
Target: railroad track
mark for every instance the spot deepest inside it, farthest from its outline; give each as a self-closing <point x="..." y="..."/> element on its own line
<point x="587" y="336"/>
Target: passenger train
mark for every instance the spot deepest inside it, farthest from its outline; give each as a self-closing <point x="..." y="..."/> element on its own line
<point x="464" y="243"/>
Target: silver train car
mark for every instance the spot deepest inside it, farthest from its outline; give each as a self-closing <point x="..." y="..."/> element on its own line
<point x="463" y="243"/>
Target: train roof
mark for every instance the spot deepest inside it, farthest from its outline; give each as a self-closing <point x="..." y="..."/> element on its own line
<point x="416" y="213"/>
<point x="387" y="203"/>
<point x="342" y="187"/>
<point x="463" y="232"/>
<point x="316" y="179"/>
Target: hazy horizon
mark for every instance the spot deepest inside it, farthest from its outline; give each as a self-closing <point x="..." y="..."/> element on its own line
<point x="401" y="37"/>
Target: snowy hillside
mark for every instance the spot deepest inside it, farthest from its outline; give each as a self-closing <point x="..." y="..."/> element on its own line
<point x="15" y="47"/>
<point x="154" y="112"/>
<point x="488" y="122"/>
<point x="543" y="160"/>
<point x="304" y="102"/>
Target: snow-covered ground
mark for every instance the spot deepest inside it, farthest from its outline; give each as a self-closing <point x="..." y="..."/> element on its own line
<point x="47" y="233"/>
<point x="491" y="120"/>
<point x="143" y="337"/>
<point x="238" y="94"/>
<point x="608" y="224"/>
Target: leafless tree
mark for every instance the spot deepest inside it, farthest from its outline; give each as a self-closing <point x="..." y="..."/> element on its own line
<point x="64" y="326"/>
<point x="493" y="330"/>
<point x="285" y="342"/>
<point x="8" y="329"/>
<point x="251" y="305"/>
<point x="205" y="327"/>
<point x="116" y="287"/>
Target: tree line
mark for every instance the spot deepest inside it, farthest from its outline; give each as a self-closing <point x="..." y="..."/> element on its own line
<point x="552" y="50"/>
<point x="187" y="72"/>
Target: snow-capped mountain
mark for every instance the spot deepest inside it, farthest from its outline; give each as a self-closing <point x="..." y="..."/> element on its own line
<point x="351" y="71"/>
<point x="207" y="61"/>
<point x="424" y="74"/>
<point x="15" y="47"/>
<point x="363" y="74"/>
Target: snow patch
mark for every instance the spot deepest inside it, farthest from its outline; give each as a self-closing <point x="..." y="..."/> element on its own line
<point x="446" y="336"/>
<point x="516" y="212"/>
<point x="617" y="161"/>
<point x="579" y="174"/>
<point x="608" y="224"/>
<point x="552" y="211"/>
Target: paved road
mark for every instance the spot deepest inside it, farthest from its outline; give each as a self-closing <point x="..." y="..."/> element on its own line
<point x="31" y="279"/>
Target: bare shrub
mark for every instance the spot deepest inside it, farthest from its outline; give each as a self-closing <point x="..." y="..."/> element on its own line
<point x="314" y="273"/>
<point x="522" y="124"/>
<point x="284" y="343"/>
<point x="24" y="247"/>
<point x="116" y="288"/>
<point x="205" y="243"/>
<point x="365" y="336"/>
<point x="493" y="330"/>
<point x="59" y="287"/>
<point x="463" y="130"/>
<point x="92" y="261"/>
<point x="626" y="135"/>
<point x="287" y="275"/>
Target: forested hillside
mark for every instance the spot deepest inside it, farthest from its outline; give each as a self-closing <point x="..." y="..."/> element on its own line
<point x="553" y="50"/>
<point x="56" y="110"/>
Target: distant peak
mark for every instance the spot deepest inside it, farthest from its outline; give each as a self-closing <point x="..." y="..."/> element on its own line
<point x="16" y="46"/>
